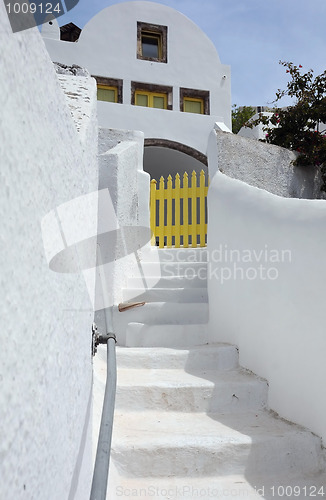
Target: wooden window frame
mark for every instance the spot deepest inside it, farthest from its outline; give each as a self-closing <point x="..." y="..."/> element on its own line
<point x="153" y="89"/>
<point x="108" y="87"/>
<point x="156" y="31"/>
<point x="151" y="96"/>
<point x="195" y="95"/>
<point x="110" y="83"/>
<point x="194" y="99"/>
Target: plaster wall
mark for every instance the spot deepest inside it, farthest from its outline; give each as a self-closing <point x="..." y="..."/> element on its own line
<point x="276" y="319"/>
<point x="121" y="175"/>
<point x="108" y="47"/>
<point x="186" y="128"/>
<point x="46" y="366"/>
<point x="265" y="166"/>
<point x="256" y="132"/>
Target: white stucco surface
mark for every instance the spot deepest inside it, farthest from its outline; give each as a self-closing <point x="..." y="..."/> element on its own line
<point x="192" y="62"/>
<point x="256" y="132"/>
<point x="46" y="366"/>
<point x="277" y="320"/>
<point x="264" y="166"/>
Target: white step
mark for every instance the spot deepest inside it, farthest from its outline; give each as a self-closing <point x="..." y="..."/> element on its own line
<point x="162" y="313"/>
<point x="175" y="254"/>
<point x="190" y="270"/>
<point x="156" y="444"/>
<point x="177" y="336"/>
<point x="213" y="357"/>
<point x="168" y="282"/>
<point x="198" y="391"/>
<point x="166" y="294"/>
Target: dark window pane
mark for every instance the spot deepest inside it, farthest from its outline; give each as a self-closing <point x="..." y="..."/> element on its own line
<point x="150" y="46"/>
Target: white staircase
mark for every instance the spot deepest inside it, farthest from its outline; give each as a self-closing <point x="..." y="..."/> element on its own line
<point x="189" y="422"/>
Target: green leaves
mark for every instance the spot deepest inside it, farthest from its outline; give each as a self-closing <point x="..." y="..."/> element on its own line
<point x="299" y="127"/>
<point x="240" y="116"/>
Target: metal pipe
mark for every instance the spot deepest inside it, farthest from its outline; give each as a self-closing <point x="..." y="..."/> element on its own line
<point x="102" y="461"/>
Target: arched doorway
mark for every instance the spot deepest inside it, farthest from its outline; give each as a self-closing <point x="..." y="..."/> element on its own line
<point x="179" y="183"/>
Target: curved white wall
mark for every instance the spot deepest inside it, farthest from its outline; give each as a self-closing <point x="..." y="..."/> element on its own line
<point x="277" y="322"/>
<point x="45" y="358"/>
<point x="108" y="47"/>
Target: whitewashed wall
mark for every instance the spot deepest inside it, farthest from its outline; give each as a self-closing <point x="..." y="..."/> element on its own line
<point x="264" y="166"/>
<point x="108" y="47"/>
<point x="277" y="319"/>
<point x="46" y="366"/>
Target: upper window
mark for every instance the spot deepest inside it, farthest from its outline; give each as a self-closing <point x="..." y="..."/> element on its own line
<point x="194" y="101"/>
<point x="109" y="89"/>
<point x="151" y="45"/>
<point x="152" y="42"/>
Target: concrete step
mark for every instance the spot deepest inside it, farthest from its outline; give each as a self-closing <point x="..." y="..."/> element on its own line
<point x="189" y="270"/>
<point x="175" y="255"/>
<point x="218" y="357"/>
<point x="166" y="294"/>
<point x="162" y="313"/>
<point x="156" y="444"/>
<point x="167" y="282"/>
<point x="198" y="391"/>
<point x="235" y="487"/>
<point x="177" y="336"/>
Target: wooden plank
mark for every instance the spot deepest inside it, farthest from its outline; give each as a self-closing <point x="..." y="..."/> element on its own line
<point x="202" y="198"/>
<point x="153" y="212"/>
<point x="161" y="213"/>
<point x="177" y="223"/>
<point x="193" y="191"/>
<point x="185" y="192"/>
<point x="168" y="197"/>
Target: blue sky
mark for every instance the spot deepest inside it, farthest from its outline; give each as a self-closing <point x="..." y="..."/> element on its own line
<point x="251" y="36"/>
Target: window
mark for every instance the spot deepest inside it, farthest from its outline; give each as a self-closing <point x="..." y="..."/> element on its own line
<point x="108" y="89"/>
<point x="151" y="45"/>
<point x="106" y="93"/>
<point x="193" y="105"/>
<point x="150" y="99"/>
<point x="152" y="42"/>
<point x="151" y="95"/>
<point x="194" y="101"/>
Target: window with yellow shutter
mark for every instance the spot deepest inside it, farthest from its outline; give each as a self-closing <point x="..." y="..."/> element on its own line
<point x="194" y="101"/>
<point x="107" y="93"/>
<point x="109" y="89"/>
<point x="150" y="99"/>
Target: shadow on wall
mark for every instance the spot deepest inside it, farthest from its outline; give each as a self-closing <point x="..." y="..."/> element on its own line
<point x="160" y="161"/>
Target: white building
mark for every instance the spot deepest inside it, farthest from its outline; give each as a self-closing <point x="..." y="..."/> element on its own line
<point x="157" y="72"/>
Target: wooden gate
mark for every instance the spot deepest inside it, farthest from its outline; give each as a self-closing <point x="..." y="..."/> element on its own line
<point x="178" y="213"/>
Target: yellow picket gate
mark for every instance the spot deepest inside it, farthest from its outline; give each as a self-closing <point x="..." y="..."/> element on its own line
<point x="179" y="213"/>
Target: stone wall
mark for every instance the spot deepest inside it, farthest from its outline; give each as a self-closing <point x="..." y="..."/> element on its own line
<point x="265" y="166"/>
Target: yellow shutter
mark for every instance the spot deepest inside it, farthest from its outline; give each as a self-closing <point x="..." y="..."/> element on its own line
<point x="106" y="93"/>
<point x="141" y="99"/>
<point x="151" y="99"/>
<point x="193" y="105"/>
